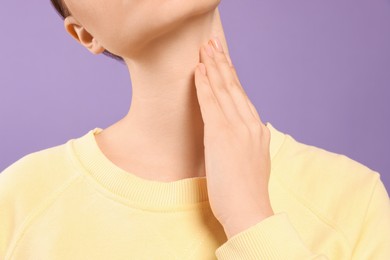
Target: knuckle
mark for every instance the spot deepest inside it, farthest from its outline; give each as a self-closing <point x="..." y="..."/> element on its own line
<point x="222" y="90"/>
<point x="260" y="130"/>
<point x="211" y="65"/>
<point x="266" y="133"/>
<point x="231" y="84"/>
<point x="235" y="90"/>
<point x="220" y="57"/>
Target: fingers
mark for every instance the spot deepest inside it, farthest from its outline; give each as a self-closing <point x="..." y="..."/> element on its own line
<point x="224" y="81"/>
<point x="217" y="84"/>
<point x="210" y="109"/>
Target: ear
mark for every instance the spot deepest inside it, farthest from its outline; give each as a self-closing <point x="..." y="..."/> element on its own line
<point x="80" y="34"/>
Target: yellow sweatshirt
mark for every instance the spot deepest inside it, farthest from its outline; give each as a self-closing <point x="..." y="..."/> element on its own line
<point x="71" y="202"/>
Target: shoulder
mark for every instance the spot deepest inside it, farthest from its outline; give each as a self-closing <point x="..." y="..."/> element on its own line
<point x="334" y="186"/>
<point x="29" y="183"/>
<point x="319" y="167"/>
<point x="43" y="167"/>
<point x="31" y="179"/>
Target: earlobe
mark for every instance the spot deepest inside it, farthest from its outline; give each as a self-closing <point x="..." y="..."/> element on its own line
<point x="95" y="47"/>
<point x="81" y="35"/>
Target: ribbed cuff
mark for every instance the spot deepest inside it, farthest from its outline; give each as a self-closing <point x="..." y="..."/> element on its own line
<point x="272" y="238"/>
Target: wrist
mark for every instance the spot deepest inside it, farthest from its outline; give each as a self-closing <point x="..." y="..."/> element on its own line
<point x="241" y="222"/>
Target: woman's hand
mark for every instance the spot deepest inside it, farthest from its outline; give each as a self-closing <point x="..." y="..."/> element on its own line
<point x="237" y="156"/>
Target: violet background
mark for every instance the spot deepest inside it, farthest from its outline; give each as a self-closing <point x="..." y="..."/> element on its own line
<point x="317" y="70"/>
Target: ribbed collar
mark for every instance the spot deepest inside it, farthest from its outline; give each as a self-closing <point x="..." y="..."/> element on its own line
<point x="140" y="192"/>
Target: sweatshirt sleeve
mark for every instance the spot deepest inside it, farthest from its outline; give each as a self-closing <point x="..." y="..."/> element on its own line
<point x="374" y="239"/>
<point x="7" y="209"/>
<point x="13" y="201"/>
<point x="272" y="238"/>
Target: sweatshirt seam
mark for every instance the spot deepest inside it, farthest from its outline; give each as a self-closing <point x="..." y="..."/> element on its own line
<point x="279" y="148"/>
<point x="314" y="211"/>
<point x="366" y="210"/>
<point x="276" y="156"/>
<point x="36" y="213"/>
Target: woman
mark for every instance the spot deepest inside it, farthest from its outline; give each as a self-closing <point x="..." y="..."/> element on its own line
<point x="191" y="172"/>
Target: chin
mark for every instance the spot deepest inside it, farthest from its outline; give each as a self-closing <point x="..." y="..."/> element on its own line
<point x="202" y="6"/>
<point x="162" y="19"/>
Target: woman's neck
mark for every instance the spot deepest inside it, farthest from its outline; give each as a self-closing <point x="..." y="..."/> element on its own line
<point x="161" y="137"/>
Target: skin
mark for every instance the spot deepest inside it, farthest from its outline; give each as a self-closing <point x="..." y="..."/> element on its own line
<point x="175" y="127"/>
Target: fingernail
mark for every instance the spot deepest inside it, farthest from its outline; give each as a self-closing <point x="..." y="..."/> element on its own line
<point x="209" y="50"/>
<point x="217" y="44"/>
